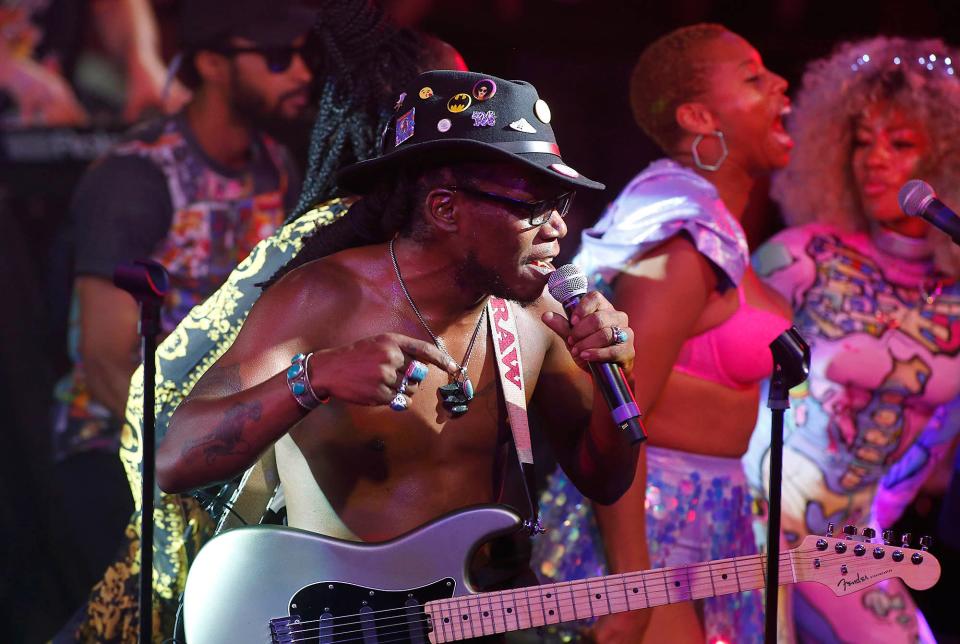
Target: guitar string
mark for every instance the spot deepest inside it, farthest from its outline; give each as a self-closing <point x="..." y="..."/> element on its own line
<point x="744" y="560"/>
<point x="753" y="561"/>
<point x="404" y="631"/>
<point x="528" y="601"/>
<point x="443" y="632"/>
<point x="752" y="575"/>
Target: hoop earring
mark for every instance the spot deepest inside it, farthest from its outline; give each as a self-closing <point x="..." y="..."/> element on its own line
<point x="723" y="152"/>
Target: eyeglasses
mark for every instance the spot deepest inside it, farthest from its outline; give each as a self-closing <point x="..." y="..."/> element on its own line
<point x="278" y="59"/>
<point x="538" y="212"/>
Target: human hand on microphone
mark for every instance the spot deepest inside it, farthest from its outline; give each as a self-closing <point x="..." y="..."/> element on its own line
<point x="369" y="371"/>
<point x="590" y="332"/>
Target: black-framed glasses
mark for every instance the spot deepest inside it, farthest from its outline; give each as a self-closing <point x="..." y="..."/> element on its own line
<point x="538" y="212"/>
<point x="278" y="59"/>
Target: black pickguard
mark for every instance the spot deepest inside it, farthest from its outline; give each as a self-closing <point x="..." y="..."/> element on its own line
<point x="341" y="613"/>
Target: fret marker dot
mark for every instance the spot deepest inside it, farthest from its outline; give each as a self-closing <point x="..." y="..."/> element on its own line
<point x="551" y="611"/>
<point x="636" y="590"/>
<point x="466" y="617"/>
<point x="597" y="595"/>
<point x="549" y="595"/>
<point x="446" y="620"/>
<point x="509" y="610"/>
<point x="676" y="584"/>
<point x="723" y="576"/>
<point x="486" y="614"/>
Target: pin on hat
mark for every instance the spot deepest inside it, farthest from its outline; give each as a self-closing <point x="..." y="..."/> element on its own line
<point x="405" y="126"/>
<point x="425" y="93"/>
<point x="498" y="129"/>
<point x="484" y="119"/>
<point x="542" y="110"/>
<point x="484" y="89"/>
<point x="521" y="125"/>
<point x="459" y="102"/>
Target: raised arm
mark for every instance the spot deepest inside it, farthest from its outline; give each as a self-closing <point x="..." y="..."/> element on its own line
<point x="243" y="403"/>
<point x="587" y="444"/>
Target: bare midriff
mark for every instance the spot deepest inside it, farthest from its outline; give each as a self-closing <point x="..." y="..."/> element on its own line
<point x="703" y="417"/>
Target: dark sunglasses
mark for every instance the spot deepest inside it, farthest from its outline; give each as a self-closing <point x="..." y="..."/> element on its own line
<point x="278" y="59"/>
<point x="538" y="212"/>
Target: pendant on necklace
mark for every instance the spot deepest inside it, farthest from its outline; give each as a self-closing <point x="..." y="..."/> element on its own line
<point x="456" y="396"/>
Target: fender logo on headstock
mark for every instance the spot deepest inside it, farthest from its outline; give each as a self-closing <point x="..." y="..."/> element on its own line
<point x="844" y="584"/>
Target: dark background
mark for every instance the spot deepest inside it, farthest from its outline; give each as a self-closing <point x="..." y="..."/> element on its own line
<point x="578" y="54"/>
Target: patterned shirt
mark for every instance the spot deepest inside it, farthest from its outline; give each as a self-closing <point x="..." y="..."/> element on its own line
<point x="876" y="413"/>
<point x="158" y="195"/>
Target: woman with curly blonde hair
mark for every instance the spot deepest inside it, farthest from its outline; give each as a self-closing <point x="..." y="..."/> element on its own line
<point x="875" y="293"/>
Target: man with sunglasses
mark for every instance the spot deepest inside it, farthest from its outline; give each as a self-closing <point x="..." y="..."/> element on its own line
<point x="373" y="370"/>
<point x="195" y="191"/>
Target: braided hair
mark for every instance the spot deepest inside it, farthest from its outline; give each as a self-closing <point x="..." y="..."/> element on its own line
<point x="364" y="59"/>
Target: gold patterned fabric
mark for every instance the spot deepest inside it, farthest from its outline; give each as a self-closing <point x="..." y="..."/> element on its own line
<point x="182" y="526"/>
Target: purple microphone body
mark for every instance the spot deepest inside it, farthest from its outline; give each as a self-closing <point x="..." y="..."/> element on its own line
<point x="567" y="285"/>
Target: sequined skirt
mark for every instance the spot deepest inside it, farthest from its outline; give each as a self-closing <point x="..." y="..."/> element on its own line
<point x="698" y="508"/>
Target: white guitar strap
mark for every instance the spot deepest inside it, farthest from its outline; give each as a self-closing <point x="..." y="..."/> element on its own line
<point x="506" y="344"/>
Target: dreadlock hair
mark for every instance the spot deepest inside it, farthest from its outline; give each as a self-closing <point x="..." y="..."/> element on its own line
<point x="390" y="208"/>
<point x="365" y="59"/>
<point x="670" y="72"/>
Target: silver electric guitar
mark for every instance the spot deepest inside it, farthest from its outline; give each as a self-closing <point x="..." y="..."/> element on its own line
<point x="272" y="584"/>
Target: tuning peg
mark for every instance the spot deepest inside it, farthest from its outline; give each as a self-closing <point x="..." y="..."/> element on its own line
<point x="869" y="533"/>
<point x="888" y="536"/>
<point x="926" y="542"/>
<point x="850" y="531"/>
<point x="905" y="539"/>
<point x="829" y="532"/>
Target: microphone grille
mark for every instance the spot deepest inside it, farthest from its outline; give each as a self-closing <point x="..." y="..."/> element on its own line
<point x="566" y="282"/>
<point x="914" y="196"/>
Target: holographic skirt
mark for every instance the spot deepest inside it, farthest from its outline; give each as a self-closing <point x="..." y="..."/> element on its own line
<point x="698" y="509"/>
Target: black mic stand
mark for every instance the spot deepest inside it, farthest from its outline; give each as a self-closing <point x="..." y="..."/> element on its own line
<point x="791" y="364"/>
<point x="147" y="282"/>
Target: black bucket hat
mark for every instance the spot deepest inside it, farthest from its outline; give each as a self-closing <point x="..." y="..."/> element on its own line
<point x="465" y="116"/>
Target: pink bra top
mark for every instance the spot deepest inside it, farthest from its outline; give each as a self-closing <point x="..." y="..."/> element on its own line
<point x="736" y="352"/>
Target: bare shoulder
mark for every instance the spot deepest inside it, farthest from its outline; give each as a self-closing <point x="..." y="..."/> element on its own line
<point x="291" y="310"/>
<point x="321" y="285"/>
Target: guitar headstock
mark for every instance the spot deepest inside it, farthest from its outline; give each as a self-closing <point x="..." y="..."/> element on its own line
<point x="851" y="563"/>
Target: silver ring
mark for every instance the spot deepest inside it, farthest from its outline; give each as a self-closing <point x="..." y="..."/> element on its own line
<point x="619" y="335"/>
<point x="399" y="402"/>
<point x="416" y="371"/>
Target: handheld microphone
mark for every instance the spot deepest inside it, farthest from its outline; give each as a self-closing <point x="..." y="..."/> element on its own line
<point x="918" y="199"/>
<point x="567" y="285"/>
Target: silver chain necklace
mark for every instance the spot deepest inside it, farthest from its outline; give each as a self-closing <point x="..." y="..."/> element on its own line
<point x="457" y="394"/>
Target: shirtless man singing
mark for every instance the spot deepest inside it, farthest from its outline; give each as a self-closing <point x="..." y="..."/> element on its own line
<point x="465" y="202"/>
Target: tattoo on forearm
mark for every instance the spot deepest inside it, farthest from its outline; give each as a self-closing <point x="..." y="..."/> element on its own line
<point x="219" y="380"/>
<point x="226" y="439"/>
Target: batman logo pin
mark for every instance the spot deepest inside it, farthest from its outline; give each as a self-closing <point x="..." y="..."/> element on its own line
<point x="459" y="102"/>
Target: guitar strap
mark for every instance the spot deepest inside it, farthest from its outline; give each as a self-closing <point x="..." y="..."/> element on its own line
<point x="506" y="344"/>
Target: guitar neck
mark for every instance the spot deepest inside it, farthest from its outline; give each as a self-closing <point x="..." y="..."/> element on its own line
<point x="469" y="616"/>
